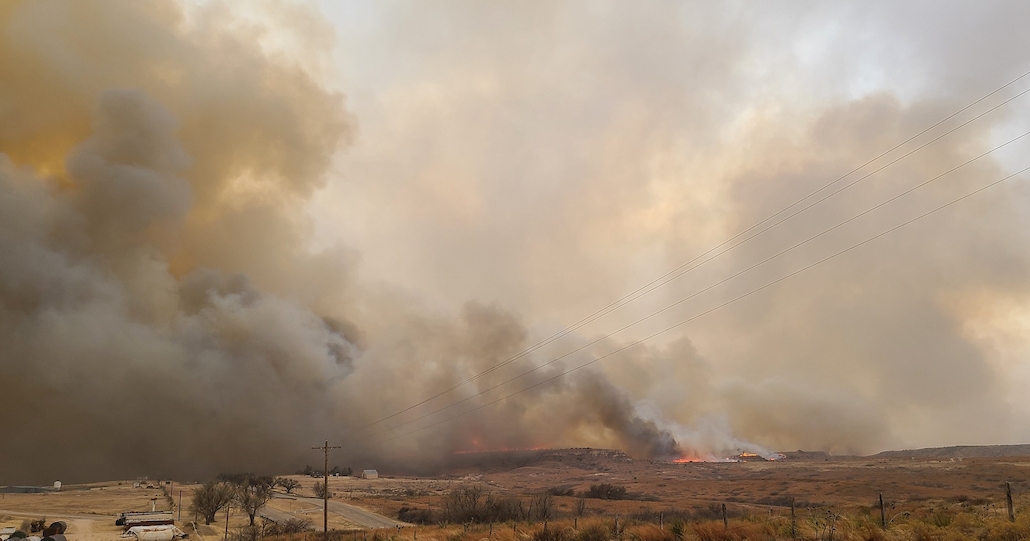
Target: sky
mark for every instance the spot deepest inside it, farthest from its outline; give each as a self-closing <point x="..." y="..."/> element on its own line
<point x="261" y="225"/>
<point x="552" y="157"/>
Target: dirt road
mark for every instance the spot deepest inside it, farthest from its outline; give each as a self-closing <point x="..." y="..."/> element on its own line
<point x="349" y="512"/>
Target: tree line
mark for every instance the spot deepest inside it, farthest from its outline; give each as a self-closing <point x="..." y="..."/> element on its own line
<point x="336" y="470"/>
<point x="246" y="491"/>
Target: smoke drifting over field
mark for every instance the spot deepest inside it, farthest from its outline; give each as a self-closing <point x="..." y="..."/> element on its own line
<point x="194" y="279"/>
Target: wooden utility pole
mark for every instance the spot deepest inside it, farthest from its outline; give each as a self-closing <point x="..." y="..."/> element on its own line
<point x="1008" y="501"/>
<point x="325" y="488"/>
<point x="226" y="537"/>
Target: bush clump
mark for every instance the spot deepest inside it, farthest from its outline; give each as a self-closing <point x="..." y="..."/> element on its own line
<point x="605" y="491"/>
<point x="594" y="532"/>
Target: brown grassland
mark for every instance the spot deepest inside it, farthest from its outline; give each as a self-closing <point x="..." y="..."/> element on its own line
<point x="835" y="499"/>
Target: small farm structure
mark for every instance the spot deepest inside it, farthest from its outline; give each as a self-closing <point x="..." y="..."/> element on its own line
<point x="155" y="518"/>
<point x="370" y="474"/>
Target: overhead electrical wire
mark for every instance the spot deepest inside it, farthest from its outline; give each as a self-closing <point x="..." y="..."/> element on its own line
<point x="676" y="272"/>
<point x="706" y="312"/>
<point x="714" y="285"/>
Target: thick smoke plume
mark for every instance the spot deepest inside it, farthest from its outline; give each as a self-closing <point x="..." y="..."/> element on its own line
<point x="159" y="313"/>
<point x="206" y="266"/>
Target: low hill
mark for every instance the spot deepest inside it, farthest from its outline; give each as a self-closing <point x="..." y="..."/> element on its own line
<point x="507" y="460"/>
<point x="961" y="451"/>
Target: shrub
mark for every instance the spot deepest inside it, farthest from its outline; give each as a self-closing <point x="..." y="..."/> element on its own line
<point x="554" y="534"/>
<point x="711" y="531"/>
<point x="1007" y="531"/>
<point x="246" y="533"/>
<point x="561" y="491"/>
<point x="289" y="527"/>
<point x="941" y="518"/>
<point x="872" y="532"/>
<point x="416" y="515"/>
<point x="605" y="491"/>
<point x="594" y="532"/>
<point x="651" y="533"/>
<point x="677" y="530"/>
<point x="320" y="490"/>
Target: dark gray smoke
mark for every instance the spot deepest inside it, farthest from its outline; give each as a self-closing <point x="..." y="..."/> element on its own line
<point x="204" y="267"/>
<point x="119" y="366"/>
<point x="159" y="313"/>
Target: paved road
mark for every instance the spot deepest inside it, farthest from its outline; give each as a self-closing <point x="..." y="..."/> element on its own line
<point x="275" y="515"/>
<point x="353" y="513"/>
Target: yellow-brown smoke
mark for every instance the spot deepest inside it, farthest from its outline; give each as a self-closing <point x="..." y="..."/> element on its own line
<point x="165" y="309"/>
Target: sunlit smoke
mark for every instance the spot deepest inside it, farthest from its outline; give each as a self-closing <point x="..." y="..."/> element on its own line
<point x="201" y="236"/>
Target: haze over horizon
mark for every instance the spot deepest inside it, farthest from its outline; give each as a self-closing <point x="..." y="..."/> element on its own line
<point x="229" y="230"/>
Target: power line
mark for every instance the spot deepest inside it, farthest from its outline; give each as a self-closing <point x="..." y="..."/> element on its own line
<point x="714" y="285"/>
<point x="675" y="273"/>
<point x="706" y="312"/>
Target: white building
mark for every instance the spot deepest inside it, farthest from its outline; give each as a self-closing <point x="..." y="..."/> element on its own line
<point x="369" y="474"/>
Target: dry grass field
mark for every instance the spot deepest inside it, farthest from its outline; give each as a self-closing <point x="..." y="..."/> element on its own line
<point x="835" y="498"/>
<point x="89" y="510"/>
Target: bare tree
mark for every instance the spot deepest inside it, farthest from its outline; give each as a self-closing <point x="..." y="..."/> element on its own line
<point x="320" y="490"/>
<point x="288" y="527"/>
<point x="252" y="498"/>
<point x="544" y="506"/>
<point x="581" y="507"/>
<point x="287" y="484"/>
<point x="466" y="504"/>
<point x="211" y="498"/>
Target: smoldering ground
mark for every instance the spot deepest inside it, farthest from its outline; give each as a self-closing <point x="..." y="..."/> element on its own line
<point x="163" y="310"/>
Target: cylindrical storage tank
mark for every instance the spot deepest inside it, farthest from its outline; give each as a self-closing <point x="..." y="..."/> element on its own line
<point x="55" y="528"/>
<point x="153" y="533"/>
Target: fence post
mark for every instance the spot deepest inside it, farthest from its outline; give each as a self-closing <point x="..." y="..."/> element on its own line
<point x="1008" y="500"/>
<point x="883" y="513"/>
<point x="725" y="521"/>
<point x="793" y="521"/>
